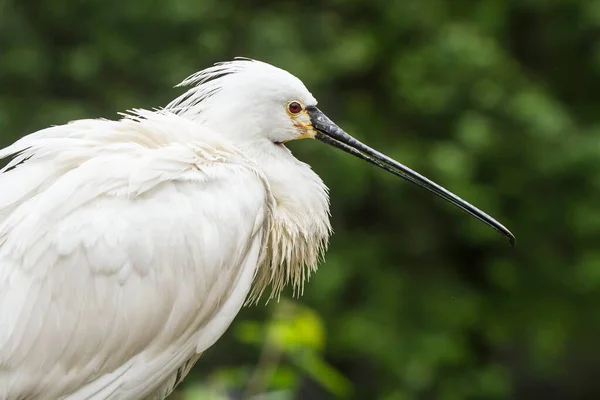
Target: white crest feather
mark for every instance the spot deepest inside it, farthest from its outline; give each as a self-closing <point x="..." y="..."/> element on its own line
<point x="208" y="82"/>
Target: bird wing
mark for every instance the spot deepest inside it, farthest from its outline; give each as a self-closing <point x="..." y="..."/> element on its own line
<point x="126" y="247"/>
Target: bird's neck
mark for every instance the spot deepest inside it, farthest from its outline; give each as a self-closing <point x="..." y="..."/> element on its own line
<point x="300" y="225"/>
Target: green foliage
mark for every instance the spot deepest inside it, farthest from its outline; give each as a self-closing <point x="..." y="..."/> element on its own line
<point x="496" y="100"/>
<point x="291" y="343"/>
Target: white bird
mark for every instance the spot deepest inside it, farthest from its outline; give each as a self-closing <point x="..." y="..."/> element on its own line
<point x="128" y="247"/>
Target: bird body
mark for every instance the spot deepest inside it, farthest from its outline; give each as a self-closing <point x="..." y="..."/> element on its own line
<point x="128" y="247"/>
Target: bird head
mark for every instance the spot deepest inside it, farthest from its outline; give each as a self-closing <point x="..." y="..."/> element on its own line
<point x="252" y="101"/>
<point x="249" y="100"/>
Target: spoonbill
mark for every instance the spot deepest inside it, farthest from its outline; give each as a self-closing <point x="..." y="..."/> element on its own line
<point x="127" y="247"/>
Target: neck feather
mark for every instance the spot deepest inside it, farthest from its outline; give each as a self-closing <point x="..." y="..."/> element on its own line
<point x="299" y="223"/>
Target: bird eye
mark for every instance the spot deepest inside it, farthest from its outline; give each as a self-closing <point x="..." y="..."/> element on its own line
<point x="294" y="107"/>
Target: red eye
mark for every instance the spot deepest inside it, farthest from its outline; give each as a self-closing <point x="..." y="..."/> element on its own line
<point x="294" y="107"/>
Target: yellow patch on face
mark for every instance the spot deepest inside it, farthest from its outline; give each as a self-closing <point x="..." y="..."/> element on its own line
<point x="307" y="135"/>
<point x="304" y="125"/>
<point x="306" y="130"/>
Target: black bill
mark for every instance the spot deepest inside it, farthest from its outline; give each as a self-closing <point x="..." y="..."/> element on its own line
<point x="330" y="133"/>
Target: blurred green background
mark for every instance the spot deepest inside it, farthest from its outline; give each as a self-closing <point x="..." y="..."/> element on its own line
<point x="495" y="100"/>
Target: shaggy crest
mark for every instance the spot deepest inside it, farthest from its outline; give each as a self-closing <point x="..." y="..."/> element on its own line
<point x="204" y="84"/>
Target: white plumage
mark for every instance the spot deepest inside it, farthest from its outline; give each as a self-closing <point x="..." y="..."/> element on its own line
<point x="127" y="247"/>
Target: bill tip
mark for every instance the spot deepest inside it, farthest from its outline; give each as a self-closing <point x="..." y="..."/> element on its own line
<point x="512" y="240"/>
